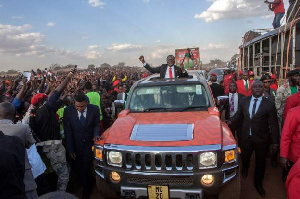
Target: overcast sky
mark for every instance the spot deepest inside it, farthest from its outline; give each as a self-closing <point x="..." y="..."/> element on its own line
<point x="37" y="33"/>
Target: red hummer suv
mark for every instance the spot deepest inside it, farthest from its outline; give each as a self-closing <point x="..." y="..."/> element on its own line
<point x="169" y="142"/>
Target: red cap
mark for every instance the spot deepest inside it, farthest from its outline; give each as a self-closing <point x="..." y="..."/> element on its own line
<point x="116" y="82"/>
<point x="38" y="98"/>
<point x="250" y="72"/>
<point x="213" y="74"/>
<point x="241" y="72"/>
<point x="273" y="76"/>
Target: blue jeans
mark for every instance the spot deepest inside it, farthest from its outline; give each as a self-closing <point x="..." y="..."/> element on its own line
<point x="277" y="18"/>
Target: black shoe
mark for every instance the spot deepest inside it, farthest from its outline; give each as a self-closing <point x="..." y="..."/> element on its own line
<point x="244" y="173"/>
<point x="260" y="190"/>
<point x="274" y="163"/>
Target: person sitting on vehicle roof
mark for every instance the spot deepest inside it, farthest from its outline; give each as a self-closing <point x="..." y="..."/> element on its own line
<point x="169" y="70"/>
<point x="278" y="7"/>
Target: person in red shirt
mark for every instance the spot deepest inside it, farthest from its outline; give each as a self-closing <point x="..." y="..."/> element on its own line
<point x="277" y="7"/>
<point x="292" y="183"/>
<point x="291" y="102"/>
<point x="290" y="143"/>
<point x="241" y="73"/>
<point x="244" y="85"/>
<point x="227" y="79"/>
<point x="274" y="84"/>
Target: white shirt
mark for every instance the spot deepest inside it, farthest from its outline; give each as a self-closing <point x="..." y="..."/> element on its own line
<point x="84" y="113"/>
<point x="245" y="83"/>
<point x="235" y="103"/>
<point x="251" y="106"/>
<point x="167" y="72"/>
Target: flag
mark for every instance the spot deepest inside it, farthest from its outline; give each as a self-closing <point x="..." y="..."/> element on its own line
<point x="189" y="54"/>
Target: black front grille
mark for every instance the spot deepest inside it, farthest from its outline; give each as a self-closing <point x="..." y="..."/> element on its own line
<point x="160" y="161"/>
<point x="161" y="180"/>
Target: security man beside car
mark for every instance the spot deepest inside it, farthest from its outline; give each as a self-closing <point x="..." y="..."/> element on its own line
<point x="255" y="112"/>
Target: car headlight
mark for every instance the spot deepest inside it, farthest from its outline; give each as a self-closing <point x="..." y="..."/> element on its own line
<point x="114" y="158"/>
<point x="229" y="156"/>
<point x="207" y="159"/>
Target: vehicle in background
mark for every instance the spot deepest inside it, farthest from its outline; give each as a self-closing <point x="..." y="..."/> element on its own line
<point x="220" y="74"/>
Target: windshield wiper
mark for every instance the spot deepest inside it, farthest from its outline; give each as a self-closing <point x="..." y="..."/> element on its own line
<point x="154" y="109"/>
<point x="192" y="107"/>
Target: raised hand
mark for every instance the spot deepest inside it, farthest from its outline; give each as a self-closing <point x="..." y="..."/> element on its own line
<point x="142" y="59"/>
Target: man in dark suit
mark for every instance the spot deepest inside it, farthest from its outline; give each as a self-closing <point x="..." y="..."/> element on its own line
<point x="168" y="70"/>
<point x="12" y="167"/>
<point x="82" y="128"/>
<point x="216" y="89"/>
<point x="259" y="128"/>
<point x="231" y="107"/>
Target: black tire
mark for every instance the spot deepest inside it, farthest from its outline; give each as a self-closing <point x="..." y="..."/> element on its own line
<point x="104" y="189"/>
<point x="232" y="190"/>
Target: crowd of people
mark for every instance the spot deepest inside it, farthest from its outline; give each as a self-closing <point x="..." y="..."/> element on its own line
<point x="260" y="114"/>
<point x="58" y="116"/>
<point x="39" y="111"/>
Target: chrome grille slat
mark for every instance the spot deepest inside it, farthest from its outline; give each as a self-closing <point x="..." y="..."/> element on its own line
<point x="159" y="161"/>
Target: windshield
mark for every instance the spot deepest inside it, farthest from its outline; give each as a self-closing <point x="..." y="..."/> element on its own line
<point x="169" y="98"/>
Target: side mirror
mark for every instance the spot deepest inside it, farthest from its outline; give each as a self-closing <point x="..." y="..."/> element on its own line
<point x="223" y="100"/>
<point x="214" y="111"/>
<point x="123" y="113"/>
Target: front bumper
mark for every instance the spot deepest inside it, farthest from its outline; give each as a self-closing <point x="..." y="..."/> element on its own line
<point x="181" y="184"/>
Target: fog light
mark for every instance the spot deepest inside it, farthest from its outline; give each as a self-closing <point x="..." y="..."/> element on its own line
<point x="207" y="180"/>
<point x="115" y="177"/>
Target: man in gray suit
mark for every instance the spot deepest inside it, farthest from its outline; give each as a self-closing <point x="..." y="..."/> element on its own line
<point x="23" y="131"/>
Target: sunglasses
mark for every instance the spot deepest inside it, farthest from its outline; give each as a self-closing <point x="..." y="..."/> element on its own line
<point x="266" y="82"/>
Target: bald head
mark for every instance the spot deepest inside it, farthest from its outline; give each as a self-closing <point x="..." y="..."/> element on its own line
<point x="7" y="111"/>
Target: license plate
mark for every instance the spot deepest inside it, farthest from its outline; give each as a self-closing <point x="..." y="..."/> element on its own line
<point x="158" y="192"/>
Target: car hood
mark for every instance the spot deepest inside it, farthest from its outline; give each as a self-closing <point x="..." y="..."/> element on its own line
<point x="206" y="129"/>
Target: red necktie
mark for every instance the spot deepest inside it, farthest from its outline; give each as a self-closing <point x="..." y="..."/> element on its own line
<point x="170" y="72"/>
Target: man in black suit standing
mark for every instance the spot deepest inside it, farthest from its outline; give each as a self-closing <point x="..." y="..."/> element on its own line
<point x="259" y="128"/>
<point x="231" y="107"/>
<point x="216" y="89"/>
<point x="82" y="128"/>
<point x="168" y="70"/>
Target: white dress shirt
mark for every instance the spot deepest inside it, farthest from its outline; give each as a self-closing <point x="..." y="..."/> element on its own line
<point x="84" y="113"/>
<point x="235" y="103"/>
<point x="167" y="72"/>
<point x="245" y="83"/>
<point x="251" y="106"/>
